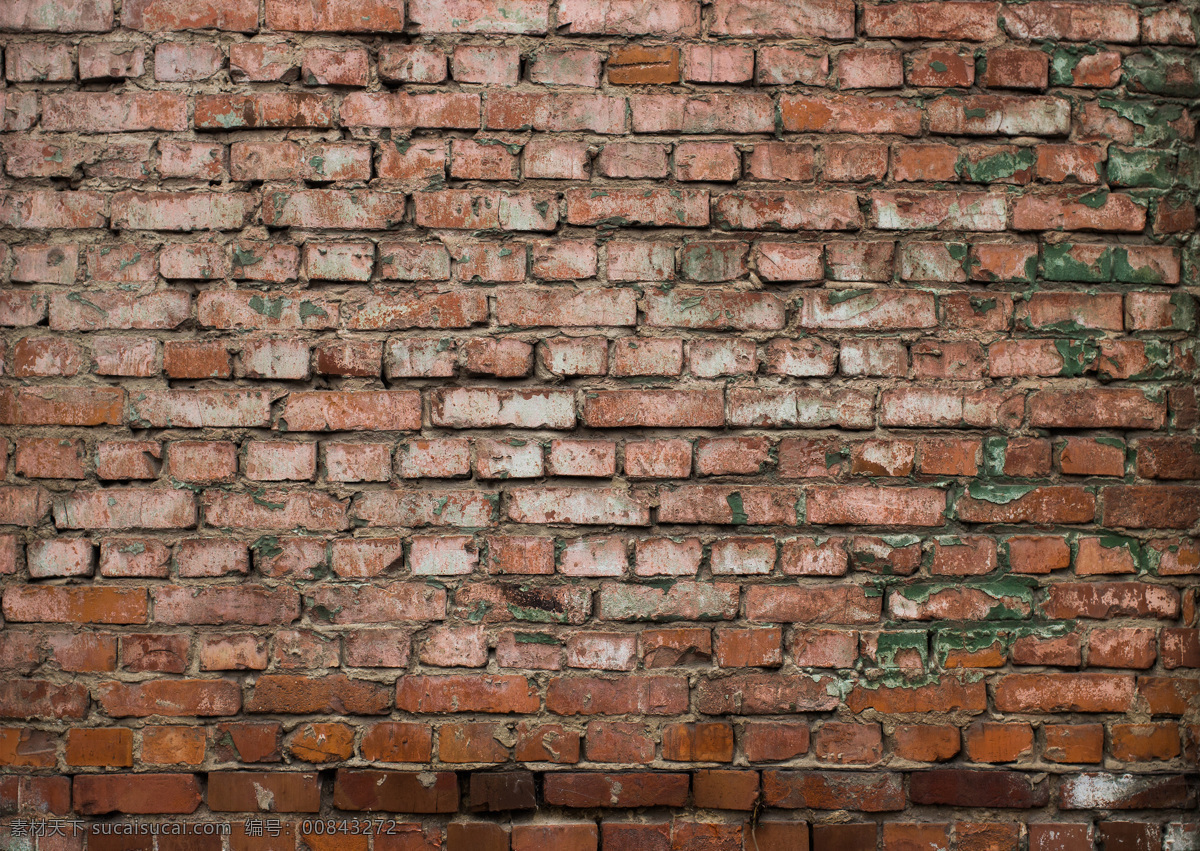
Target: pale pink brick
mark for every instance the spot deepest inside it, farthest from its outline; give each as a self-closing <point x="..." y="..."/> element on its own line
<point x="873" y="357"/>
<point x="782" y="161"/>
<point x="433" y="459"/>
<point x="201" y="262"/>
<point x="358" y="462"/>
<point x="508" y="459"/>
<point x="45" y="264"/>
<point x="647" y="356"/>
<point x="128" y="459"/>
<point x="869" y="69"/>
<point x="479" y="407"/>
<point x="60" y="557"/>
<point x="492" y="65"/>
<point x="806" y="358"/>
<point x="668" y="557"/>
<point x="9" y="548"/>
<point x="366" y="557"/>
<point x="339" y="261"/>
<point x="549" y="158"/>
<point x="707" y="161"/>
<point x="640" y="261"/>
<point x="134" y="557"/>
<point x="443" y="556"/>
<point x="259" y="261"/>
<point x="275" y="359"/>
<point x="263" y="63"/>
<point x="232" y="653"/>
<point x="505" y="357"/>
<point x="716" y="63"/>
<point x="124" y="356"/>
<point x="524" y="650"/>
<point x="564" y="260"/>
<point x="377" y="648"/>
<point x="570" y="67"/>
<point x="593" y="557"/>
<point x="22" y="309"/>
<point x="594" y="458"/>
<point x="575" y="355"/>
<point x="420" y="358"/>
<point x="322" y="67"/>
<point x="782" y="66"/>
<point x="111" y="61"/>
<point x="202" y="461"/>
<point x="276" y="461"/>
<point x="678" y="18"/>
<point x="411" y="261"/>
<point x="789" y="261"/>
<point x="455" y="647"/>
<point x="491" y="160"/>
<point x="210" y="557"/>
<point x="715" y="358"/>
<point x="633" y="160"/>
<point x="180" y="62"/>
<point x="743" y="556"/>
<point x="200" y="160"/>
<point x="602" y="651"/>
<point x="474" y="16"/>
<point x="658" y="459"/>
<point x="35" y="62"/>
<point x="491" y="262"/>
<point x="813" y="557"/>
<point x="412" y="63"/>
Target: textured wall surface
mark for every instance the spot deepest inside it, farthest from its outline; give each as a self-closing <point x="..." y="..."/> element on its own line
<point x="645" y="425"/>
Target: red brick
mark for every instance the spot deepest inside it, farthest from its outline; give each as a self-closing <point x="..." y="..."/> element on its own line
<point x="623" y="790"/>
<point x="570" y="836"/>
<point x="742" y="648"/>
<point x="707" y="161"/>
<point x="771" y="742"/>
<point x="395" y="791"/>
<point x="828" y="790"/>
<point x="666" y="648"/>
<point x="494" y="694"/>
<point x="711" y="742"/>
<point x="939" y="67"/>
<point x="109" y="748"/>
<point x="998" y="742"/>
<point x="1144" y="742"/>
<point x="926" y="742"/>
<point x="1074" y="743"/>
<point x="304" y="695"/>
<point x="136" y="794"/>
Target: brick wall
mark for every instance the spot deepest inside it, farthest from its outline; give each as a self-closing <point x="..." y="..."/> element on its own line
<point x="762" y="423"/>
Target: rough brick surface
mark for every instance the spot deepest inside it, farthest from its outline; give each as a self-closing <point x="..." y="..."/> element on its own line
<point x="579" y="424"/>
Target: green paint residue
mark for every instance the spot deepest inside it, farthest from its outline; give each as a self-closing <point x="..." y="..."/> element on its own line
<point x="535" y="615"/>
<point x="267" y="547"/>
<point x="535" y="638"/>
<point x="271" y="307"/>
<point x="1076" y="355"/>
<point x="738" y="517"/>
<point x="1060" y="264"/>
